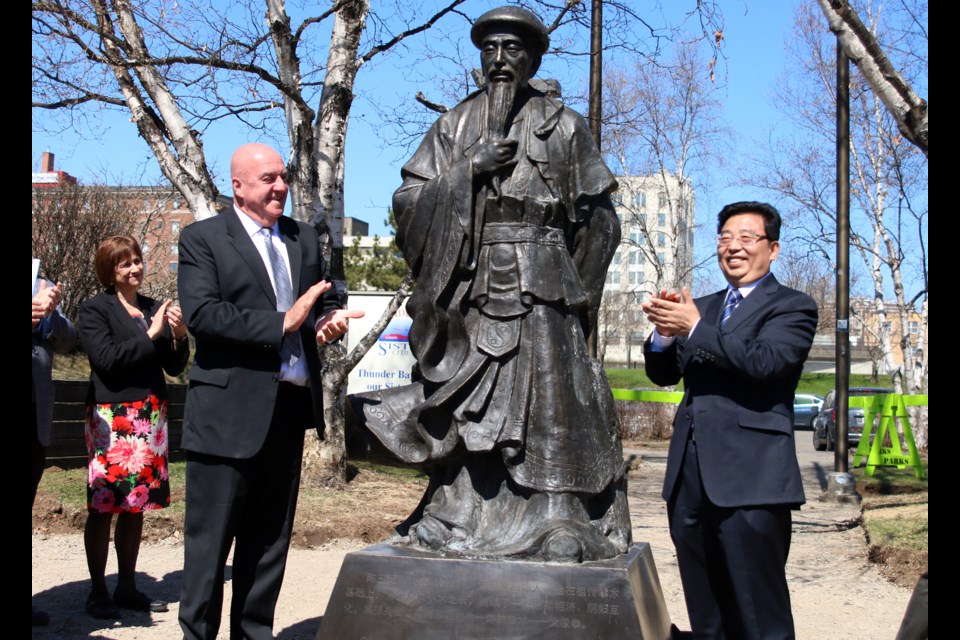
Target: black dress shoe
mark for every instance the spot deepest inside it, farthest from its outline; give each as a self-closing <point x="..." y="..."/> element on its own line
<point x="138" y="601"/>
<point x="40" y="618"/>
<point x="100" y="606"/>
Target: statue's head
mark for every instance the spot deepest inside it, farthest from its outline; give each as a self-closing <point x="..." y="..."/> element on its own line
<point x="511" y="41"/>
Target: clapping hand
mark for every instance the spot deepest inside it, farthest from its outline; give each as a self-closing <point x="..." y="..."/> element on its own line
<point x="174" y="317"/>
<point x="334" y="324"/>
<point x="45" y="301"/>
<point x="672" y="313"/>
<point x="295" y="315"/>
<point x="159" y="319"/>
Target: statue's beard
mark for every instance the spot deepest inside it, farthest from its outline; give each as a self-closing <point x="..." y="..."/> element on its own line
<point x="500" y="98"/>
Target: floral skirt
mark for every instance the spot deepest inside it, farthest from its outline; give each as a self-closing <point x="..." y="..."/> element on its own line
<point x="127" y="448"/>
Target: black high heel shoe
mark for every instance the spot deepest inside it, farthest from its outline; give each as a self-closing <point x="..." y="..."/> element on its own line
<point x="100" y="606"/>
<point x="138" y="601"/>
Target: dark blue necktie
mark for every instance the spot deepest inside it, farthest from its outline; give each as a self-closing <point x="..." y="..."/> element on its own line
<point x="733" y="299"/>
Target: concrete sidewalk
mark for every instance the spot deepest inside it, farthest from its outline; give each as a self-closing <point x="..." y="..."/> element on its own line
<point x="835" y="591"/>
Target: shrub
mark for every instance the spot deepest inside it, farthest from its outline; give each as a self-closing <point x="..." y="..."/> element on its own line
<point x="645" y="420"/>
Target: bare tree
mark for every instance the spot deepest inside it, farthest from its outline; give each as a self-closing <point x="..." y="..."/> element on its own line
<point x="888" y="217"/>
<point x="445" y="63"/>
<point x="69" y="223"/>
<point x="662" y="122"/>
<point x="809" y="272"/>
<point x="95" y="52"/>
<point x="860" y="43"/>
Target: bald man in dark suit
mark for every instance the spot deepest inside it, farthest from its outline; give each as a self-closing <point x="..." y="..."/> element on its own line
<point x="257" y="298"/>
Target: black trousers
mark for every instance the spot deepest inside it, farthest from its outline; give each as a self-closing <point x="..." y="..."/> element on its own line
<point x="732" y="562"/>
<point x="250" y="503"/>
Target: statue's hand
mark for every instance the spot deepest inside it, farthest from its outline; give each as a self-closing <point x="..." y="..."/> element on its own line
<point x="491" y="157"/>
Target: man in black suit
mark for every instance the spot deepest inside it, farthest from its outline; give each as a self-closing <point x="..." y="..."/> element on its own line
<point x="732" y="473"/>
<point x="256" y="296"/>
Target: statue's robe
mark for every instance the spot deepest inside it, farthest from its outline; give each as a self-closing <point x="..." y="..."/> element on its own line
<point x="513" y="420"/>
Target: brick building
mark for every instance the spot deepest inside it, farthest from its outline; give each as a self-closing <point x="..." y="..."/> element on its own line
<point x="159" y="213"/>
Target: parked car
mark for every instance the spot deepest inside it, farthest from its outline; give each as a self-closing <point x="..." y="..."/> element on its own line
<point x="825" y="424"/>
<point x="806" y="406"/>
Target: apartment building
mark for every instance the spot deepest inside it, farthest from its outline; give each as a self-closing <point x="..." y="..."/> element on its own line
<point x="656" y="250"/>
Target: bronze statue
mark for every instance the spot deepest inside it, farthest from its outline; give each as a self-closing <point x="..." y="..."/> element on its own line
<point x="506" y="220"/>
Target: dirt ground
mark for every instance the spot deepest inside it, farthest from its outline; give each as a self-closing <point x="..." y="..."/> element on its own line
<point x="841" y="587"/>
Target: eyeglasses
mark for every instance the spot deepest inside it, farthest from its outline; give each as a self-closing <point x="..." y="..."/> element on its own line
<point x="745" y="238"/>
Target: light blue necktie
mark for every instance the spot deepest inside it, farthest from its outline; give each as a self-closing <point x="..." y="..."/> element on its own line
<point x="733" y="299"/>
<point x="290" y="348"/>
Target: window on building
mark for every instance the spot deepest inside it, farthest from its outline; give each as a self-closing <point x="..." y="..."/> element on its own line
<point x="175" y="226"/>
<point x="662" y="219"/>
<point x="636" y="257"/>
<point x="914" y="327"/>
<point x="144" y="247"/>
<point x="639" y="200"/>
<point x="636" y="277"/>
<point x="661" y="239"/>
<point x="888" y="326"/>
<point x="661" y="200"/>
<point x="174" y="249"/>
<point x="176" y="204"/>
<point x="661" y="258"/>
<point x="173" y="267"/>
<point x="640" y="219"/>
<point x="637" y="238"/>
<point x="618" y="198"/>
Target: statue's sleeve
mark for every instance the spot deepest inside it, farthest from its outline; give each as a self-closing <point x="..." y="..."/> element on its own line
<point x="596" y="226"/>
<point x="595" y="240"/>
<point x="590" y="176"/>
<point x="433" y="206"/>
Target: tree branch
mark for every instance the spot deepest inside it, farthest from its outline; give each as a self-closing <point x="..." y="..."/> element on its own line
<point x="422" y="99"/>
<point x="406" y="34"/>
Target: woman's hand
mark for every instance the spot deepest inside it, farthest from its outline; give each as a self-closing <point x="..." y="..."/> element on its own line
<point x="159" y="319"/>
<point x="175" y="320"/>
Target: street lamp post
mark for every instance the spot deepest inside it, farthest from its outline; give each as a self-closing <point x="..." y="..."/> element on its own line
<point x="841" y="485"/>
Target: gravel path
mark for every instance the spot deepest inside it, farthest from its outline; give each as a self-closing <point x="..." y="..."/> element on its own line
<point x="835" y="592"/>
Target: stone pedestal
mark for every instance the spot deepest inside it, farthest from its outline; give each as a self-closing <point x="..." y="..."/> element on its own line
<point x="388" y="592"/>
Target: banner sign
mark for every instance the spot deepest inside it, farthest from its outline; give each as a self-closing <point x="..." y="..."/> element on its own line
<point x="389" y="361"/>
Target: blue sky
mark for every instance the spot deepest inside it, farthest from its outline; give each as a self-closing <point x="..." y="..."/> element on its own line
<point x="754" y="44"/>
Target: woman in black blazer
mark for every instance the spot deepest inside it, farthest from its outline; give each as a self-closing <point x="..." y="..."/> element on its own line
<point x="130" y="340"/>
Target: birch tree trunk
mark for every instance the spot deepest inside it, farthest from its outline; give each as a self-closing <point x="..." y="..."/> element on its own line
<point x="184" y="165"/>
<point x="861" y="46"/>
<point x="327" y="465"/>
<point x="330" y="133"/>
<point x="919" y="415"/>
<point x="301" y="166"/>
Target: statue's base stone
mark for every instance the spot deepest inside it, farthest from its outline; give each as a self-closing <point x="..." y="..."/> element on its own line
<point x="388" y="592"/>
